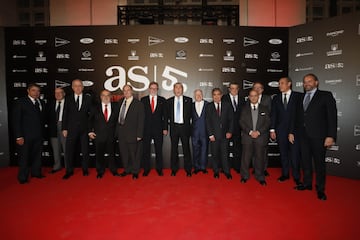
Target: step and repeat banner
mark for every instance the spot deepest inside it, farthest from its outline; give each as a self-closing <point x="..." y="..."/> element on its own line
<point x="331" y="50"/>
<point x="111" y="56"/>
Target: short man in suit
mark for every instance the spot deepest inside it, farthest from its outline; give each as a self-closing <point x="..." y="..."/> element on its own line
<point x="55" y="113"/>
<point x="265" y="100"/>
<point x="219" y="124"/>
<point x="237" y="102"/>
<point x="75" y="127"/>
<point x="199" y="138"/>
<point x="283" y="105"/>
<point x="178" y="115"/>
<point x="28" y="121"/>
<point x="102" y="124"/>
<point x="154" y="128"/>
<point x="130" y="130"/>
<point x="254" y="123"/>
<point x="315" y="122"/>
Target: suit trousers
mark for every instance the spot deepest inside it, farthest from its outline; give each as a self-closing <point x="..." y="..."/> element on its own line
<point x="130" y="153"/>
<point x="257" y="151"/>
<point x="236" y="149"/>
<point x="219" y="153"/>
<point x="58" y="147"/>
<point x="290" y="156"/>
<point x="72" y="141"/>
<point x="29" y="157"/>
<point x="177" y="133"/>
<point x="158" y="143"/>
<point x="105" y="145"/>
<point x="200" y="151"/>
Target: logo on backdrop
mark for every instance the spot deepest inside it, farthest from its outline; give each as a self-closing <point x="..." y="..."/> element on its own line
<point x="20" y="42"/>
<point x="247" y="84"/>
<point x="206" y="55"/>
<point x="334" y="33"/>
<point x="251" y="56"/>
<point x="329" y="66"/>
<point x="108" y="41"/>
<point x="333" y="160"/>
<point x="229" y="56"/>
<point x="206" y="41"/>
<point x="333" y="81"/>
<point x="61" y="84"/>
<point x="40" y="57"/>
<point x="275" y="41"/>
<point x="275" y="57"/>
<point x="304" y="39"/>
<point x="334" y="50"/>
<point x="86" y="56"/>
<point x="40" y="42"/>
<point x="229" y="40"/>
<point x="62" y="56"/>
<point x="156" y="55"/>
<point x="180" y="55"/>
<point x="358" y="80"/>
<point x="133" y="56"/>
<point x="304" y="54"/>
<point x="134" y="40"/>
<point x="86" y="40"/>
<point x="301" y="69"/>
<point x="356" y="130"/>
<point x="181" y="40"/>
<point x="61" y="42"/>
<point x="154" y="41"/>
<point x="249" y="42"/>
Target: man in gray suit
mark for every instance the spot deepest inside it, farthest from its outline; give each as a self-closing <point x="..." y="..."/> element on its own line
<point x="254" y="124"/>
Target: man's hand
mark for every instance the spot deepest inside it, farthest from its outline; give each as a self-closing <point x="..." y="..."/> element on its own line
<point x="291" y="138"/>
<point x="92" y="135"/>
<point x="20" y="141"/>
<point x="255" y="134"/>
<point x="329" y="141"/>
<point x="65" y="133"/>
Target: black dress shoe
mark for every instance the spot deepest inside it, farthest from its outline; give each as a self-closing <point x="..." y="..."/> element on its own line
<point x="196" y="171"/>
<point x="282" y="178"/>
<point x="100" y="175"/>
<point x="297" y="182"/>
<point x="146" y="173"/>
<point x="135" y="176"/>
<point x="188" y="173"/>
<point x="23" y="181"/>
<point x="38" y="176"/>
<point x="237" y="170"/>
<point x="67" y="175"/>
<point x="243" y="180"/>
<point x="228" y="176"/>
<point x="123" y="174"/>
<point x="85" y="173"/>
<point x="204" y="171"/>
<point x="303" y="187"/>
<point x="263" y="183"/>
<point x="266" y="173"/>
<point x="216" y="175"/>
<point x="54" y="171"/>
<point x="173" y="173"/>
<point x="116" y="174"/>
<point x="321" y="196"/>
<point x="160" y="172"/>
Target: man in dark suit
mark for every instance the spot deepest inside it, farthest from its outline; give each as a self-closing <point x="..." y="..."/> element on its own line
<point x="219" y="124"/>
<point x="178" y="115"/>
<point x="154" y="129"/>
<point x="102" y="125"/>
<point x="315" y="122"/>
<point x="130" y="130"/>
<point x="254" y="123"/>
<point x="283" y="104"/>
<point x="75" y="127"/>
<point x="28" y="122"/>
<point x="265" y="100"/>
<point x="55" y="112"/>
<point x="237" y="102"/>
<point x="199" y="138"/>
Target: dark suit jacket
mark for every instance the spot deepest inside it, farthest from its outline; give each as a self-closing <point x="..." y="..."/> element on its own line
<point x="219" y="125"/>
<point x="280" y="118"/>
<point x="241" y="102"/>
<point x="155" y="122"/>
<point x="74" y="119"/>
<point x="266" y="101"/>
<point x="187" y="108"/>
<point x="198" y="122"/>
<point x="99" y="126"/>
<point x="27" y="121"/>
<point x="262" y="125"/>
<point x="320" y="118"/>
<point x="133" y="127"/>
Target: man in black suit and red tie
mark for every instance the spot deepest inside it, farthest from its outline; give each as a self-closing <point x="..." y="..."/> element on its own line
<point x="75" y="127"/>
<point x="102" y="125"/>
<point x="178" y="115"/>
<point x="28" y="122"/>
<point x="130" y="130"/>
<point x="154" y="129"/>
<point x="255" y="124"/>
<point x="219" y="124"/>
<point x="283" y="105"/>
<point x="315" y="123"/>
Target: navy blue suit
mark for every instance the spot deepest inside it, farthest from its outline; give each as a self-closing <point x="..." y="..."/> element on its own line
<point x="280" y="123"/>
<point x="199" y="139"/>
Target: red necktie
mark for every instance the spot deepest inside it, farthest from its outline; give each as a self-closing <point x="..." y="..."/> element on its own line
<point x="218" y="109"/>
<point x="152" y="104"/>
<point x="106" y="113"/>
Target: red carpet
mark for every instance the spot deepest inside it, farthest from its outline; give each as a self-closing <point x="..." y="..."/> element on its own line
<point x="153" y="207"/>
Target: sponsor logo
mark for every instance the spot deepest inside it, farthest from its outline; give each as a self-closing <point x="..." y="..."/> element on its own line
<point x="86" y="56"/>
<point x="358" y="80"/>
<point x="42" y="84"/>
<point x="87" y="83"/>
<point x="228" y="69"/>
<point x="41" y="70"/>
<point x="19" y="70"/>
<point x="62" y="56"/>
<point x="275" y="41"/>
<point x="61" y="84"/>
<point x="156" y="55"/>
<point x="247" y="84"/>
<point x="180" y="54"/>
<point x="299" y="84"/>
<point x="356" y="130"/>
<point x="271" y="70"/>
<point x="181" y="40"/>
<point x="40" y="42"/>
<point x="40" y="57"/>
<point x="251" y="70"/>
<point x="19" y="56"/>
<point x="62" y="70"/>
<point x="301" y="69"/>
<point x="333" y="160"/>
<point x="249" y="41"/>
<point x="334" y="50"/>
<point x="304" y="54"/>
<point x="273" y="84"/>
<point x="334" y="65"/>
<point x="135" y="40"/>
<point x="334" y="33"/>
<point x="108" y="41"/>
<point x="251" y="56"/>
<point x="229" y="40"/>
<point x="20" y="85"/>
<point x="357" y="147"/>
<point x="205" y="69"/>
<point x="19" y="42"/>
<point x="206" y="41"/>
<point x="154" y="41"/>
<point x="304" y="39"/>
<point x="334" y="148"/>
<point x="229" y="56"/>
<point x="275" y="57"/>
<point x="333" y="81"/>
<point x="206" y="84"/>
<point x="133" y="56"/>
<point x="86" y="70"/>
<point x="206" y="55"/>
<point x="86" y="40"/>
<point x="110" y="55"/>
<point x="61" y="42"/>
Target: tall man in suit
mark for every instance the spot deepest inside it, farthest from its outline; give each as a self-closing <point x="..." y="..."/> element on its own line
<point x="55" y="115"/>
<point x="315" y="122"/>
<point x="283" y="105"/>
<point x="254" y="123"/>
<point x="237" y="102"/>
<point x="219" y="124"/>
<point x="130" y="130"/>
<point x="199" y="138"/>
<point x="179" y="118"/>
<point x="28" y="121"/>
<point x="75" y="127"/>
<point x="154" y="128"/>
<point x="102" y="125"/>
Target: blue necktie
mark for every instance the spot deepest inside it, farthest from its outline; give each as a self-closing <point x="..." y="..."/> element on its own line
<point x="177" y="115"/>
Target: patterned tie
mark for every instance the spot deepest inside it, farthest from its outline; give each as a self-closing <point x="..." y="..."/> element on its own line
<point x="177" y="115"/>
<point x="58" y="111"/>
<point x="152" y="104"/>
<point x="306" y="101"/>
<point x="122" y="113"/>
<point x="106" y="113"/>
<point x="285" y="101"/>
<point x="234" y="104"/>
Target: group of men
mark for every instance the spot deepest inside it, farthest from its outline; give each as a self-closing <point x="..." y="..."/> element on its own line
<point x="303" y="124"/>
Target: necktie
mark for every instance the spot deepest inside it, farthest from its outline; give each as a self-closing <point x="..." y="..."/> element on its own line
<point x="218" y="109"/>
<point x="306" y="101"/>
<point x="106" y="113"/>
<point x="122" y="113"/>
<point x="58" y="111"/>
<point x="78" y="103"/>
<point x="177" y="115"/>
<point x="234" y="104"/>
<point x="37" y="105"/>
<point x="285" y="101"/>
<point x="152" y="104"/>
<point x="254" y="108"/>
